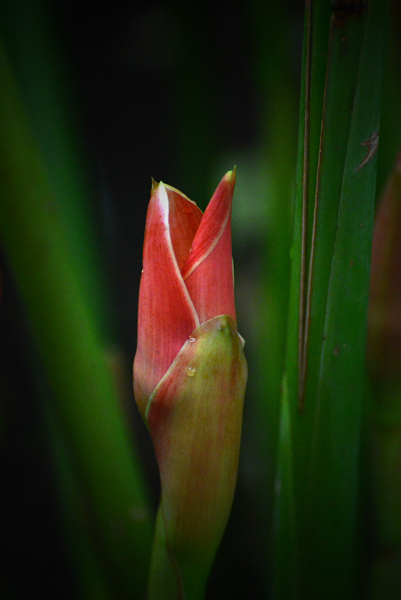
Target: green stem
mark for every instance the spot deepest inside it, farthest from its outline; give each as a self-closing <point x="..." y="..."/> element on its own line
<point x="164" y="578"/>
<point x="172" y="579"/>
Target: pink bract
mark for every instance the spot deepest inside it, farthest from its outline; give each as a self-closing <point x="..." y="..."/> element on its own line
<point x="187" y="277"/>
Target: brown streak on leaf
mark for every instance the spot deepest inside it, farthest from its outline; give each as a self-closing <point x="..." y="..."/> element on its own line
<point x="371" y="144"/>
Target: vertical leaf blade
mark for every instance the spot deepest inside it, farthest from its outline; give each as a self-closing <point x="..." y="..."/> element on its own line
<point x="323" y="437"/>
<point x="335" y="459"/>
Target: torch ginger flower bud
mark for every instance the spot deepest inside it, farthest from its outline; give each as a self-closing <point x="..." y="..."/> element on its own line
<point x="190" y="376"/>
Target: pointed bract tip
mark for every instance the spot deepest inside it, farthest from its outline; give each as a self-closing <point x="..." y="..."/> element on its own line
<point x="155" y="185"/>
<point x="231" y="175"/>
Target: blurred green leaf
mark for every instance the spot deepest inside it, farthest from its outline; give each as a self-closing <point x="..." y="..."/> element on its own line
<point x="71" y="349"/>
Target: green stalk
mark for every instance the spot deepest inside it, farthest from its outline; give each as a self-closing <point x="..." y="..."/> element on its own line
<point x="286" y="583"/>
<point x="286" y="576"/>
<point x="278" y="130"/>
<point x="324" y="381"/>
<point x="164" y="579"/>
<point x="71" y="349"/>
<point x="167" y="580"/>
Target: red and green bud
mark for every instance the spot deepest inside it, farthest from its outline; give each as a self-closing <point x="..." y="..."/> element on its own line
<point x="189" y="370"/>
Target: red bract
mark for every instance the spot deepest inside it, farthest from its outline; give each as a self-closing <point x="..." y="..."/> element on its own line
<point x="187" y="277"/>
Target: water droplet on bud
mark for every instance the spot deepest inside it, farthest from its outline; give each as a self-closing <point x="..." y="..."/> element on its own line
<point x="191" y="340"/>
<point x="191" y="371"/>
